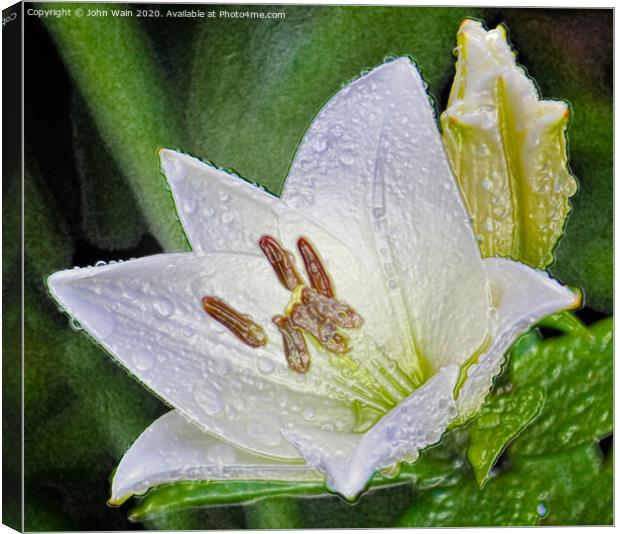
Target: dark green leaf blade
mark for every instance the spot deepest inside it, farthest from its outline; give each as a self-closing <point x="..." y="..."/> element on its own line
<point x="502" y="418"/>
<point x="576" y="373"/>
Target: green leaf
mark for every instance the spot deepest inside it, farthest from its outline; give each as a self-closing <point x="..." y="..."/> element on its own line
<point x="500" y="421"/>
<point x="111" y="63"/>
<point x="546" y="490"/>
<point x="565" y="322"/>
<point x="577" y="375"/>
<point x="172" y="497"/>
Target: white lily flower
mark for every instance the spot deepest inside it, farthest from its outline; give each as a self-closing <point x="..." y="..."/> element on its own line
<point x="405" y="324"/>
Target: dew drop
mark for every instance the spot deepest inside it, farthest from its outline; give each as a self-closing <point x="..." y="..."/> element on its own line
<point x="224" y="197"/>
<point x="208" y="398"/>
<point x="100" y="263"/>
<point x="337" y="130"/>
<point x="266" y="365"/>
<point x="319" y="142"/>
<point x="188" y="331"/>
<point x="130" y="294"/>
<point x="142" y="359"/>
<point x="347" y="157"/>
<point x="486" y="184"/>
<point x="223" y="368"/>
<point x="541" y="509"/>
<point x="163" y="307"/>
<point x="488" y="224"/>
<point x="190" y="204"/>
<point x="309" y="413"/>
<point x="75" y="324"/>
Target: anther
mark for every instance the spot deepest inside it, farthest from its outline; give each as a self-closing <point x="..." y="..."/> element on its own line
<point x="330" y="309"/>
<point x="295" y="348"/>
<point x="323" y="330"/>
<point x="240" y="325"/>
<point x="282" y="262"/>
<point x="319" y="279"/>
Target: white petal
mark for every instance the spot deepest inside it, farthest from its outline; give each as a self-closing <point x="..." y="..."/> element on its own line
<point x="349" y="460"/>
<point x="219" y="211"/>
<point x="222" y="212"/>
<point x="148" y="314"/>
<point x="521" y="297"/>
<point x="373" y="166"/>
<point x="173" y="449"/>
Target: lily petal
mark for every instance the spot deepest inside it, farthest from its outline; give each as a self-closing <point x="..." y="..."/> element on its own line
<point x="219" y="211"/>
<point x="248" y="213"/>
<point x="173" y="449"/>
<point x="373" y="164"/>
<point x="349" y="460"/>
<point x="148" y="314"/>
<point x="522" y="296"/>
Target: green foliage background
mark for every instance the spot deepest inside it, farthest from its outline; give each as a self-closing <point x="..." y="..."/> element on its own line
<point x="103" y="94"/>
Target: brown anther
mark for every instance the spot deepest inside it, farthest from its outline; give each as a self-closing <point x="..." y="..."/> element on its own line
<point x="319" y="279"/>
<point x="295" y="348"/>
<point x="333" y="310"/>
<point x="323" y="330"/>
<point x="240" y="325"/>
<point x="282" y="262"/>
<point x="338" y="344"/>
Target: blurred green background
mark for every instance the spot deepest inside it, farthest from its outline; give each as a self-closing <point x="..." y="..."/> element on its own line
<point x="102" y="94"/>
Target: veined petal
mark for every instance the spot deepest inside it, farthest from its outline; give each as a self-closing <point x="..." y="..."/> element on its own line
<point x="148" y="313"/>
<point x="349" y="460"/>
<point x="222" y="212"/>
<point x="521" y="297"/>
<point x="173" y="449"/>
<point x="219" y="211"/>
<point x="373" y="165"/>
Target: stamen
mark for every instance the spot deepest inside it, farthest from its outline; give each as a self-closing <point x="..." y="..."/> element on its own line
<point x="335" y="311"/>
<point x="240" y="325"/>
<point x="295" y="348"/>
<point x="282" y="262"/>
<point x="304" y="318"/>
<point x="319" y="279"/>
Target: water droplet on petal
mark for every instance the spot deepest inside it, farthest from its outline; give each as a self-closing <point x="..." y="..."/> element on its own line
<point x="347" y="157"/>
<point x="100" y="263"/>
<point x="309" y="413"/>
<point x="163" y="307"/>
<point x="266" y="365"/>
<point x="75" y="324"/>
<point x="319" y="142"/>
<point x="190" y="204"/>
<point x="208" y="398"/>
<point x="142" y="359"/>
